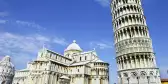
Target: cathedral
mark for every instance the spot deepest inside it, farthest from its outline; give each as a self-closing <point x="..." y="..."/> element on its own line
<point x="135" y="56"/>
<point x="74" y="67"/>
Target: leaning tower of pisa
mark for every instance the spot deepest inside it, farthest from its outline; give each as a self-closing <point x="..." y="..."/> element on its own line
<point x="135" y="57"/>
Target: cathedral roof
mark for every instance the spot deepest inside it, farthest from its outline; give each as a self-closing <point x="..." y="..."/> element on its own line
<point x="73" y="46"/>
<point x="24" y="70"/>
<point x="64" y="77"/>
<point x="99" y="60"/>
<point x="80" y="63"/>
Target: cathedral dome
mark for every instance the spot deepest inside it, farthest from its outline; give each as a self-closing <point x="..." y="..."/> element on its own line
<point x="73" y="46"/>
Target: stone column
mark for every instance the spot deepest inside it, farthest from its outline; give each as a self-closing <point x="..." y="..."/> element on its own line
<point x="44" y="78"/>
<point x="105" y="81"/>
<point x="93" y="80"/>
<point x="136" y="62"/>
<point x="150" y="64"/>
<point x="142" y="32"/>
<point x="126" y="35"/>
<point x="139" y="61"/>
<point x="97" y="80"/>
<point x="147" y="60"/>
<point x="119" y="63"/>
<point x="47" y="78"/>
<point x="138" y="33"/>
<point x="144" y="58"/>
<point x="130" y="31"/>
<point x="52" y="78"/>
<point x="141" y="65"/>
<point x="138" y="79"/>
<point x="55" y="79"/>
<point x="132" y="62"/>
<point x="135" y="32"/>
<point x="40" y="80"/>
<point x="127" y="62"/>
<point x="123" y="64"/>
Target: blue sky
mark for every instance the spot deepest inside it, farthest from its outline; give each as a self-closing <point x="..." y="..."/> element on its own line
<point x="25" y="25"/>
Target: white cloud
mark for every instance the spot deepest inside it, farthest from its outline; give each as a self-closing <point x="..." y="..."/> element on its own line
<point x="3" y="21"/>
<point x="19" y="43"/>
<point x="104" y="3"/>
<point x="22" y="24"/>
<point x="60" y="41"/>
<point x="24" y="48"/>
<point x="3" y="14"/>
<point x="29" y="24"/>
<point x="29" y="43"/>
<point x="101" y="44"/>
<point x="42" y="38"/>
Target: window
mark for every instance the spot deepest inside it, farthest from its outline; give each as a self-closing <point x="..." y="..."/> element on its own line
<point x="85" y="58"/>
<point x="57" y="77"/>
<point x="125" y="75"/>
<point x="80" y="58"/>
<point x="151" y="73"/>
<point x="74" y="54"/>
<point x="143" y="74"/>
<point x="134" y="74"/>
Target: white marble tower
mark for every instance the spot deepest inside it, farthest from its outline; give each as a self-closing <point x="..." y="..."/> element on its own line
<point x="135" y="56"/>
<point x="7" y="71"/>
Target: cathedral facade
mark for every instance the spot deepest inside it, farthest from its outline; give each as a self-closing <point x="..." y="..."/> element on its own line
<point x="135" y="56"/>
<point x="74" y="67"/>
<point x="7" y="71"/>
